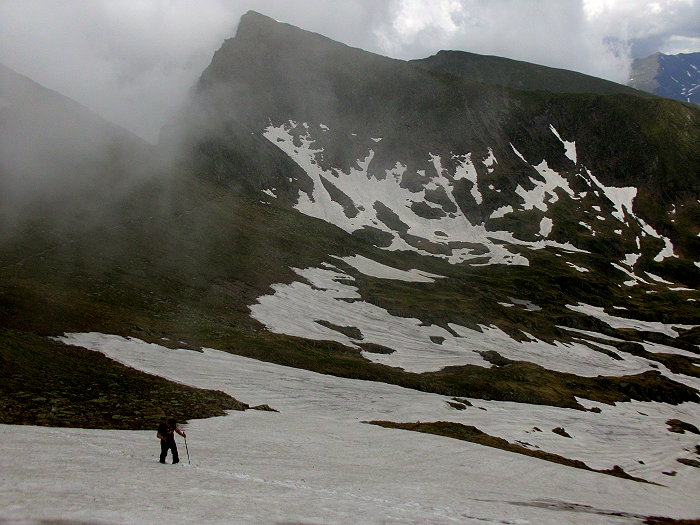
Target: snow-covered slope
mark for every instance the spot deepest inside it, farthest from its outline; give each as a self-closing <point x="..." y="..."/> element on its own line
<point x="426" y="216"/>
<point x="316" y="461"/>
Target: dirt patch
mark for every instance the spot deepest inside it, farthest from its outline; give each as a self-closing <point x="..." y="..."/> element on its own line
<point x="680" y="427"/>
<point x="374" y="348"/>
<point x="658" y="520"/>
<point x="351" y="331"/>
<point x="561" y="432"/>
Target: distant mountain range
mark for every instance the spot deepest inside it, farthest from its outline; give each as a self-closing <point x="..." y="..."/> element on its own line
<point x="671" y="76"/>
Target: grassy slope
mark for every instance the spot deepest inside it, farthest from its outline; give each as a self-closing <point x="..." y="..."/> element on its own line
<point x="519" y="75"/>
<point x="44" y="382"/>
<point x="190" y="272"/>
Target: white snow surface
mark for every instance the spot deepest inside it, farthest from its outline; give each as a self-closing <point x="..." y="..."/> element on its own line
<point x="622" y="198"/>
<point x="634" y="279"/>
<point x="328" y="296"/>
<point x="520" y="155"/>
<point x="466" y="170"/>
<point x="546" y="225"/>
<point x="624" y="322"/>
<point x="544" y="191"/>
<point x="502" y="212"/>
<point x="382" y="271"/>
<point x="580" y="269"/>
<point x="365" y="190"/>
<point x="569" y="147"/>
<point x="316" y="462"/>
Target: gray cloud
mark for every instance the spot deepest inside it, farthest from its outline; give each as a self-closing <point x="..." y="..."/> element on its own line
<point x="649" y="26"/>
<point x="554" y="33"/>
<point x="133" y="61"/>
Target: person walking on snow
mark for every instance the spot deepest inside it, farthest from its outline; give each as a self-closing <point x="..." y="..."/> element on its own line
<point x="166" y="434"/>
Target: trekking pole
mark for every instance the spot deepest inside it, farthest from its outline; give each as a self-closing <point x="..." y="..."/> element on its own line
<point x="187" y="450"/>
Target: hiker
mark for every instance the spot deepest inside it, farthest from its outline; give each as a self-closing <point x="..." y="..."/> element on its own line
<point x="166" y="434"/>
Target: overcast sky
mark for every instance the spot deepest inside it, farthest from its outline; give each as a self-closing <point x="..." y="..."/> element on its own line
<point x="133" y="61"/>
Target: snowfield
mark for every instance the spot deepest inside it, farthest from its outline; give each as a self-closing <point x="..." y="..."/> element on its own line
<point x="316" y="462"/>
<point x="329" y="296"/>
<point x="365" y="191"/>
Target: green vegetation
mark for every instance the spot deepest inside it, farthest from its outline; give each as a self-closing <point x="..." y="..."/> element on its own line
<point x="519" y="75"/>
<point x="44" y="382"/>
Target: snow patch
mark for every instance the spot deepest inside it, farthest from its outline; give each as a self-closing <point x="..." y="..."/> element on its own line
<point x="546" y="225"/>
<point x="624" y="322"/>
<point x="466" y="170"/>
<point x="501" y="212"/>
<point x="489" y="161"/>
<point x="658" y="279"/>
<point x="375" y="269"/>
<point x="309" y="462"/>
<point x="518" y="154"/>
<point x="622" y="198"/>
<point x="569" y="147"/>
<point x="329" y="296"/>
<point x="544" y="192"/>
<point x="364" y="190"/>
<point x="578" y="268"/>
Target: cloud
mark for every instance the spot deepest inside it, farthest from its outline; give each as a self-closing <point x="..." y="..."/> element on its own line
<point x="132" y="64"/>
<point x="573" y="35"/>
<point x="680" y="44"/>
<point x="648" y="25"/>
<point x="133" y="61"/>
<point x="597" y="37"/>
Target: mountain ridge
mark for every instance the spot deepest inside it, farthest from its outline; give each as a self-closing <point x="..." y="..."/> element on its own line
<point x="518" y="74"/>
